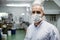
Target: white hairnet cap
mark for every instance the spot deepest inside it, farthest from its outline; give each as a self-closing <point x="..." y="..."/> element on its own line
<point x="39" y="2"/>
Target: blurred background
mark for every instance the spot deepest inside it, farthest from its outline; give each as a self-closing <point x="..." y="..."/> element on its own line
<point x="15" y="17"/>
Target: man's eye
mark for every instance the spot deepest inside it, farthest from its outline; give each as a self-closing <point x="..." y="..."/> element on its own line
<point x="33" y="12"/>
<point x="38" y="12"/>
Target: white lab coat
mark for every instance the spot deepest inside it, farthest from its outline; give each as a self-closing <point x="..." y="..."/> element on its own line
<point x="44" y="31"/>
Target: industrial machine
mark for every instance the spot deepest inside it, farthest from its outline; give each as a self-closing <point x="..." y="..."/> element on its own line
<point x="6" y="22"/>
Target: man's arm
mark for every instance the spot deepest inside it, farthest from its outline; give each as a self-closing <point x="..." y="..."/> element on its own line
<point x="27" y="36"/>
<point x="54" y="36"/>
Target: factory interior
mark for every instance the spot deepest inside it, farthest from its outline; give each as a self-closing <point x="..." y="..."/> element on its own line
<point x="15" y="17"/>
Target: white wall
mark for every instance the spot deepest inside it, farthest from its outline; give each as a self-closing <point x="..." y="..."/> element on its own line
<point x="58" y="22"/>
<point x="51" y="8"/>
<point x="57" y="2"/>
<point x="51" y="5"/>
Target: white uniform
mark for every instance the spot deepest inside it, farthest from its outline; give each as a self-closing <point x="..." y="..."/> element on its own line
<point x="44" y="31"/>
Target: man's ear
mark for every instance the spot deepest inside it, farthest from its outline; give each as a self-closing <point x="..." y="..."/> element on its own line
<point x="44" y="18"/>
<point x="43" y="14"/>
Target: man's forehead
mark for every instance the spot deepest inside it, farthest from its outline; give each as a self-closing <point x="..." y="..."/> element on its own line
<point x="37" y="7"/>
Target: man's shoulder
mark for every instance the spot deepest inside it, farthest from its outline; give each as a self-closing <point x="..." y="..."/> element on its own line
<point x="51" y="26"/>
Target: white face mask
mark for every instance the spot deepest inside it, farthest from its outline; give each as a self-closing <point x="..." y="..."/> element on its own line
<point x="36" y="18"/>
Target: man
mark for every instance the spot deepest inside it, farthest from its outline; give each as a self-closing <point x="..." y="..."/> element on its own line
<point x="40" y="29"/>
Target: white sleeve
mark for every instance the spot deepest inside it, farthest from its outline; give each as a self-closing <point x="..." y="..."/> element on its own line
<point x="54" y="36"/>
<point x="27" y="36"/>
